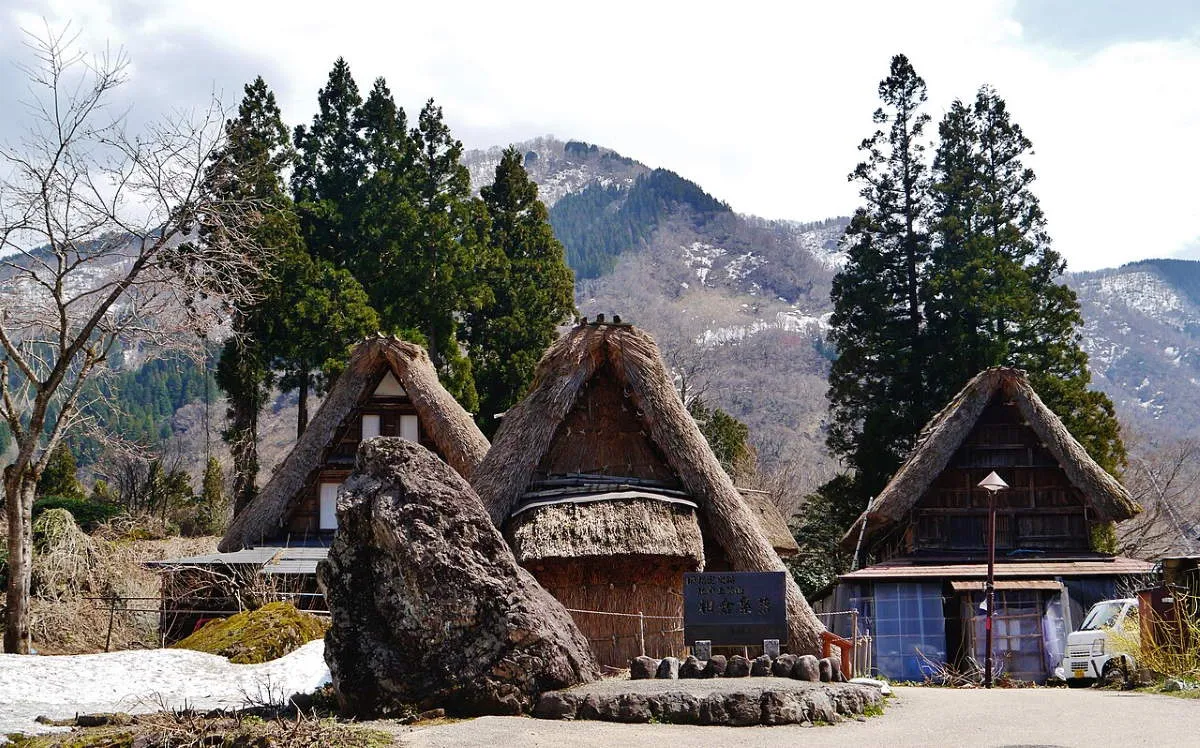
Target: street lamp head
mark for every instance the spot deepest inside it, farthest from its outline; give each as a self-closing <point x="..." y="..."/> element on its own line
<point x="993" y="483"/>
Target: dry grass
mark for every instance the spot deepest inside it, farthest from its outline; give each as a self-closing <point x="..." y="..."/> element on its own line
<point x="1174" y="650"/>
<point x="190" y="729"/>
<point x="70" y="566"/>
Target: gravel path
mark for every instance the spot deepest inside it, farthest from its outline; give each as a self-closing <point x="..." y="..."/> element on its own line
<point x="915" y="717"/>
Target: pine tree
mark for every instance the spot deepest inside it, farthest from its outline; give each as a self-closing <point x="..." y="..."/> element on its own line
<point x="448" y="257"/>
<point x="532" y="285"/>
<point x="877" y="398"/>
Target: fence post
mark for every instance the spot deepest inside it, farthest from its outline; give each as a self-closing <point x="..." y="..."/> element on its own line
<point x="641" y="632"/>
<point x="112" y="613"/>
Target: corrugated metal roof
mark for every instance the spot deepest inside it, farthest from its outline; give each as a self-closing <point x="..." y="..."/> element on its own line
<point x="908" y="568"/>
<point x="272" y="560"/>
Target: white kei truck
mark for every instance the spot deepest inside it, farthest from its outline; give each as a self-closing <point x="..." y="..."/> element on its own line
<point x="1092" y="652"/>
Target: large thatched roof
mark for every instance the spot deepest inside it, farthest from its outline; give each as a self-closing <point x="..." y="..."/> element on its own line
<point x="450" y="427"/>
<point x="528" y="429"/>
<point x="947" y="431"/>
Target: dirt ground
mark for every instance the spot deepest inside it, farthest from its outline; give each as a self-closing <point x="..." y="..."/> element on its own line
<point x="914" y="717"/>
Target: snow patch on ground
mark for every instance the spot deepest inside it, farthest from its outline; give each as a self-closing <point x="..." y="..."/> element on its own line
<point x="141" y="681"/>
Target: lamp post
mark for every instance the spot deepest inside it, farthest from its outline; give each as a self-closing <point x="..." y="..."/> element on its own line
<point x="992" y="483"/>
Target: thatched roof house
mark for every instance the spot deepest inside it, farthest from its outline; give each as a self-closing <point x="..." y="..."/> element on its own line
<point x="926" y="534"/>
<point x="608" y="491"/>
<point x="947" y="432"/>
<point x="389" y="387"/>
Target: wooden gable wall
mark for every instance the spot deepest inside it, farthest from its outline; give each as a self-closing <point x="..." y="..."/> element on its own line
<point x="604" y="435"/>
<point x="338" y="457"/>
<point x="1040" y="511"/>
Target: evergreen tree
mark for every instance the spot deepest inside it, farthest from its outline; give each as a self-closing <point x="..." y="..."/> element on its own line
<point x="877" y="399"/>
<point x="442" y="270"/>
<point x="994" y="293"/>
<point x="330" y="168"/>
<point x="728" y="438"/>
<point x="532" y="285"/>
<point x="947" y="274"/>
<point x="212" y="497"/>
<point x="59" y="478"/>
<point x="251" y="165"/>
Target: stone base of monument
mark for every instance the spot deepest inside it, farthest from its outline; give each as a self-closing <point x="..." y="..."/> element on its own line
<point x="718" y="701"/>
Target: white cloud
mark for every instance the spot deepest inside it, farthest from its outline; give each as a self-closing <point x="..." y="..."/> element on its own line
<point x="761" y="103"/>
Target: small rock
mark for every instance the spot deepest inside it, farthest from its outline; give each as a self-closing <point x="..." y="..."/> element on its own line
<point x="782" y="666"/>
<point x="806" y="668"/>
<point x="737" y="667"/>
<point x="826" y="669"/>
<point x="835" y="670"/>
<point x="761" y="667"/>
<point x="860" y="719"/>
<point x="1174" y="684"/>
<point x="642" y="668"/>
<point x="668" y="668"/>
<point x="690" y="668"/>
<point x="715" y="667"/>
<point x="431" y="714"/>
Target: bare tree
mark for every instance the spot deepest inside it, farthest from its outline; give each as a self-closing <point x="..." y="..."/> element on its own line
<point x="95" y="258"/>
<point x="1164" y="481"/>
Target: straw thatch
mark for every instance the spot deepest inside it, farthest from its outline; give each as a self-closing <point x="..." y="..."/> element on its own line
<point x="637" y="526"/>
<point x="528" y="429"/>
<point x="772" y="522"/>
<point x="947" y="431"/>
<point x="458" y="440"/>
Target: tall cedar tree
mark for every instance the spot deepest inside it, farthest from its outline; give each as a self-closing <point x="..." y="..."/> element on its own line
<point x="533" y="288"/>
<point x="993" y="294"/>
<point x="877" y="398"/>
<point x="256" y="152"/>
<point x="330" y="168"/>
<point x="450" y="255"/>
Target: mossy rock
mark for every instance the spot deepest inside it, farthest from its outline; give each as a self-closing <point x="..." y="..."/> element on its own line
<point x="257" y="635"/>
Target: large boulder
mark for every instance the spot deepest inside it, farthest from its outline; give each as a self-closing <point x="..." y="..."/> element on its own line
<point x="429" y="607"/>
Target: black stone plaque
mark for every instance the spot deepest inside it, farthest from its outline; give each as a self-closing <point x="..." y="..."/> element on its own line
<point x="734" y="607"/>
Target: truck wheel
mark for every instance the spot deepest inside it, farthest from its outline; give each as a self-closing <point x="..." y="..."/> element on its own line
<point x="1115" y="673"/>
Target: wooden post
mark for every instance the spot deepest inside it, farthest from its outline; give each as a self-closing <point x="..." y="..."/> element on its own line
<point x="112" y="612"/>
<point x="641" y="633"/>
<point x="991" y="587"/>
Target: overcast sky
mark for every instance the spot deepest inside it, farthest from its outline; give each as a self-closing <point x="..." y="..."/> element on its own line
<point x="762" y="104"/>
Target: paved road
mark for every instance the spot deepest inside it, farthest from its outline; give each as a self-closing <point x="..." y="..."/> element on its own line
<point x="915" y="717"/>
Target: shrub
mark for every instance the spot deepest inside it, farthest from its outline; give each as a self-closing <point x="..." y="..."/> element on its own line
<point x="267" y="633"/>
<point x="88" y="514"/>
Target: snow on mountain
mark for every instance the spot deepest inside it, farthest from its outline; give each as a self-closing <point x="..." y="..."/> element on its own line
<point x="558" y="168"/>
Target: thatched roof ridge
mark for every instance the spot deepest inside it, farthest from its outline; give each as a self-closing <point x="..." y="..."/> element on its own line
<point x="642" y="527"/>
<point x="529" y="427"/>
<point x="449" y="426"/>
<point x="947" y="430"/>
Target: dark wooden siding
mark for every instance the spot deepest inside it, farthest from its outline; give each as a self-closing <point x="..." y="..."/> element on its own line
<point x="603" y="435"/>
<point x="1040" y="510"/>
